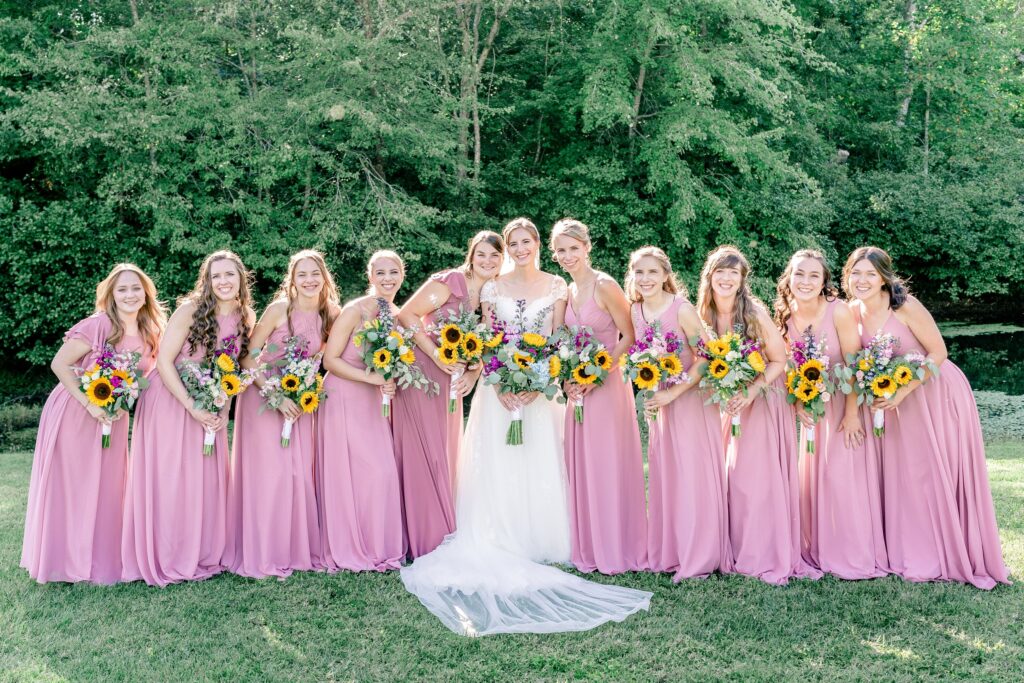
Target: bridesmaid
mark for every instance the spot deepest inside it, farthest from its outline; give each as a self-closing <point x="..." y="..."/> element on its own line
<point x="762" y="483"/>
<point x="272" y="514"/>
<point x="840" y="484"/>
<point x="175" y="505"/>
<point x="356" y="474"/>
<point x="940" y="522"/>
<point x="688" y="531"/>
<point x="76" y="494"/>
<point x="426" y="435"/>
<point x="603" y="458"/>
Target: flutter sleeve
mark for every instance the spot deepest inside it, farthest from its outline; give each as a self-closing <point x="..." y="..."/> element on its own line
<point x="93" y="330"/>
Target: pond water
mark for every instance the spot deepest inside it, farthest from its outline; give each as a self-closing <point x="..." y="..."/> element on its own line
<point x="992" y="356"/>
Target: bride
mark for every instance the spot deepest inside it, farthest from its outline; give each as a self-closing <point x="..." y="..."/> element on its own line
<point x="511" y="507"/>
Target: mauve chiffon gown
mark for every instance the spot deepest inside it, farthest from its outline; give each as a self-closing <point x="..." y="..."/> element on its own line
<point x="76" y="493"/>
<point x="840" y="487"/>
<point x="688" y="529"/>
<point x="605" y="467"/>
<point x="427" y="441"/>
<point x="358" y="491"/>
<point x="175" y="506"/>
<point x="272" y="516"/>
<point x="940" y="523"/>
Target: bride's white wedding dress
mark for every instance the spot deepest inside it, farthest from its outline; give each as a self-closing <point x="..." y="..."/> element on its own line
<point x="512" y="515"/>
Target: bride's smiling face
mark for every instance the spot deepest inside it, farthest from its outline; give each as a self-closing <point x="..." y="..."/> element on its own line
<point x="522" y="246"/>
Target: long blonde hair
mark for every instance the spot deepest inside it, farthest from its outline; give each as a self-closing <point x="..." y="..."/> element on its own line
<point x="328" y="293"/>
<point x="744" y="314"/>
<point x="378" y="255"/>
<point x="203" y="331"/>
<point x="152" y="317"/>
<point x="672" y="285"/>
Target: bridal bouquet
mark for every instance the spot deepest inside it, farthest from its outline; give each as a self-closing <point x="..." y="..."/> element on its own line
<point x="296" y="376"/>
<point x="733" y="363"/>
<point x="583" y="359"/>
<point x="653" y="359"/>
<point x="461" y="337"/>
<point x="211" y="383"/>
<point x="387" y="349"/>
<point x="113" y="383"/>
<point x="521" y="360"/>
<point x="807" y="380"/>
<point x="877" y="372"/>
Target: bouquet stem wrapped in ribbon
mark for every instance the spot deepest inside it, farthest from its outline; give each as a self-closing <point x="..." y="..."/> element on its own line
<point x="113" y="383"/>
<point x="734" y="362"/>
<point x="653" y="361"/>
<point x="211" y="383"/>
<point x="296" y="376"/>
<point x="582" y="360"/>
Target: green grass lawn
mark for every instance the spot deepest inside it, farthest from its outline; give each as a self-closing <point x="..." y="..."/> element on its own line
<point x="316" y="627"/>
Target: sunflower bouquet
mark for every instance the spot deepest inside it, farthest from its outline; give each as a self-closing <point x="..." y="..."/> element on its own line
<point x="461" y="337"/>
<point x="734" y="362"/>
<point x="296" y="376"/>
<point x="520" y="359"/>
<point x="387" y="349"/>
<point x="113" y="383"/>
<point x="653" y="359"/>
<point x="807" y="379"/>
<point x="211" y="383"/>
<point x="877" y="372"/>
<point x="583" y="359"/>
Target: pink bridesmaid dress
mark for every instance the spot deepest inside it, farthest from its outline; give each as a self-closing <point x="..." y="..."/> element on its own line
<point x="427" y="442"/>
<point x="605" y="467"/>
<point x="764" y="490"/>
<point x="174" y="513"/>
<point x="940" y="523"/>
<point x="76" y="493"/>
<point x="272" y="517"/>
<point x="688" y="530"/>
<point x="840" y="487"/>
<point x="356" y="476"/>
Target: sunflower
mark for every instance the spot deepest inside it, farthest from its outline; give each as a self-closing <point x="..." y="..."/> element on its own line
<point x="309" y="401"/>
<point x="603" y="360"/>
<point x="718" y="368"/>
<point x="523" y="360"/>
<point x="554" y="366"/>
<point x="449" y="354"/>
<point x="230" y="384"/>
<point x="792" y="381"/>
<point x="671" y="364"/>
<point x="471" y="345"/>
<point x="100" y="392"/>
<point x="95" y="368"/>
<point x="451" y="334"/>
<point x="494" y="340"/>
<point x="290" y="383"/>
<point x="534" y="339"/>
<point x="718" y="347"/>
<point x="397" y="336"/>
<point x="647" y="375"/>
<point x="581" y="376"/>
<point x="756" y="361"/>
<point x="807" y="391"/>
<point x="319" y="382"/>
<point x="883" y="386"/>
<point x="225" y="363"/>
<point x="123" y="374"/>
<point x="902" y="375"/>
<point x="381" y="358"/>
<point x="409" y="357"/>
<point x="864" y="364"/>
<point x="812" y="370"/>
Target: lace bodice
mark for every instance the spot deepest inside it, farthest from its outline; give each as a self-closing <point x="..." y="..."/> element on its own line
<point x="540" y="310"/>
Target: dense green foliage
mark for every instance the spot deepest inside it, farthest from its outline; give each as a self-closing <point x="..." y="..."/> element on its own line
<point x="156" y="131"/>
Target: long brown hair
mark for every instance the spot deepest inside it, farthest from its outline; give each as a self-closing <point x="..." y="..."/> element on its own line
<point x="203" y="331"/>
<point x="880" y="259"/>
<point x="328" y="293"/>
<point x="490" y="237"/>
<point x="671" y="285"/>
<point x="152" y="317"/>
<point x="783" y="293"/>
<point x="744" y="315"/>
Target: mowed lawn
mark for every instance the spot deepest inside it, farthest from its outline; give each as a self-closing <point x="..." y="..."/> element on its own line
<point x="318" y="627"/>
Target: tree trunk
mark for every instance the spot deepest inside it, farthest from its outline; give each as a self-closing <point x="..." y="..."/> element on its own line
<point x="927" y="121"/>
<point x="639" y="92"/>
<point x="146" y="84"/>
<point x="909" y="17"/>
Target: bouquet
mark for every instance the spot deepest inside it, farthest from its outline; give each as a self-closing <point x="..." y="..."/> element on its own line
<point x="211" y="383"/>
<point x="297" y="377"/>
<point x="387" y="349"/>
<point x="876" y="372"/>
<point x="520" y="359"/>
<point x="651" y="360"/>
<point x="113" y="383"/>
<point x="461" y="337"/>
<point x="583" y="359"/>
<point x="807" y="380"/>
<point x="733" y="363"/>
